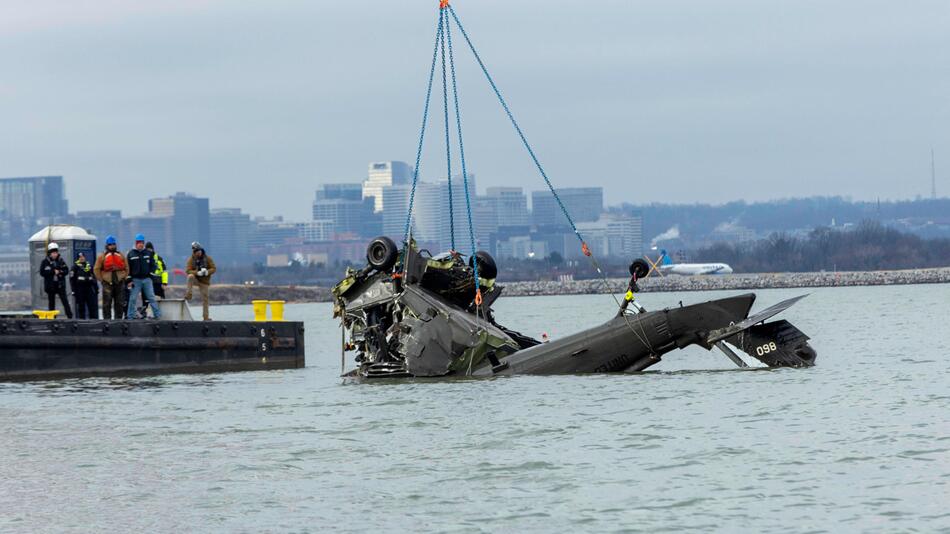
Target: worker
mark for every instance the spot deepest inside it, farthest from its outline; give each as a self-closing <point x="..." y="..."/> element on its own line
<point x="111" y="270"/>
<point x="141" y="265"/>
<point x="159" y="274"/>
<point x="84" y="288"/>
<point x="54" y="272"/>
<point x="199" y="268"/>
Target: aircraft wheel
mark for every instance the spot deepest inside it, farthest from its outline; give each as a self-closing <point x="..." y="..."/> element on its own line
<point x="486" y="265"/>
<point x="639" y="268"/>
<point x="382" y="253"/>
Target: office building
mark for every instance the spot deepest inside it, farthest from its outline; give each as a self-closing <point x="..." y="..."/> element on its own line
<point x="624" y="235"/>
<point x="352" y="215"/>
<point x="157" y="229"/>
<point x="316" y="231"/>
<point x="585" y="204"/>
<point x="500" y="207"/>
<point x="340" y="191"/>
<point x="396" y="200"/>
<point x="385" y="174"/>
<point x="522" y="247"/>
<point x="230" y="230"/>
<point x="33" y="198"/>
<point x="271" y="233"/>
<point x="617" y="236"/>
<point x="191" y="221"/>
<point x="100" y="223"/>
<point x="14" y="265"/>
<point x="431" y="217"/>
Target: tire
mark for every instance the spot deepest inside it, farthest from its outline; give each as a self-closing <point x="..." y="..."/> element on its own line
<point x="382" y="253"/>
<point x="486" y="265"/>
<point x="639" y="268"/>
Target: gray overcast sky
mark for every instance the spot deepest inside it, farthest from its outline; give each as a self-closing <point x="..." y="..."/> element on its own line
<point x="256" y="103"/>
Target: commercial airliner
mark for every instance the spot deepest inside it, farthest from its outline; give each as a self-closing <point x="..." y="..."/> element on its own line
<point x="691" y="269"/>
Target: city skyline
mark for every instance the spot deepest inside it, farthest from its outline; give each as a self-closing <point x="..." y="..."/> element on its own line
<point x="688" y="102"/>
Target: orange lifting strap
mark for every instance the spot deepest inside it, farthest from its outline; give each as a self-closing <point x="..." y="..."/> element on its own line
<point x="443" y="4"/>
<point x="478" y="297"/>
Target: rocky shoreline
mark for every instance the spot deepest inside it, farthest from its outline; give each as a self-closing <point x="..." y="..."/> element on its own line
<point x="238" y="294"/>
<point x="734" y="282"/>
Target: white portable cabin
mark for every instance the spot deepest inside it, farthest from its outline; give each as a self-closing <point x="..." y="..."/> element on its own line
<point x="71" y="240"/>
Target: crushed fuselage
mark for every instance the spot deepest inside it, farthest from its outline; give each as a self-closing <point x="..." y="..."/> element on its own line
<point x="401" y="324"/>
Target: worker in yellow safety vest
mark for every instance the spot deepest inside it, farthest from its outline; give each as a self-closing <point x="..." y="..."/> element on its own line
<point x="159" y="274"/>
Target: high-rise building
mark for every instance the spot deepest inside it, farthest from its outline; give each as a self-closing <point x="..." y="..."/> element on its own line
<point x="385" y="174"/>
<point x="511" y="205"/>
<point x="156" y="229"/>
<point x="625" y="235"/>
<point x="351" y="214"/>
<point x="431" y="217"/>
<point x="270" y="233"/>
<point x="230" y="231"/>
<point x="619" y="236"/>
<point x="316" y="231"/>
<point x="396" y="200"/>
<point x="585" y="204"/>
<point x="500" y="207"/>
<point x="340" y="191"/>
<point x="100" y="223"/>
<point x="33" y="198"/>
<point x="191" y="221"/>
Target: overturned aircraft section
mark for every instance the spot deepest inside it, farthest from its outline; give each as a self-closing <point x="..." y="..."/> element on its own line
<point x="411" y="314"/>
<point x="418" y="316"/>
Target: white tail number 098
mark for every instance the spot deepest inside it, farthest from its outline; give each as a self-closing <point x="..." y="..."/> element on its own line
<point x="762" y="350"/>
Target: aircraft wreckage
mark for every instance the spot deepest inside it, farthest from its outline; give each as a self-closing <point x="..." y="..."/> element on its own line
<point x="412" y="315"/>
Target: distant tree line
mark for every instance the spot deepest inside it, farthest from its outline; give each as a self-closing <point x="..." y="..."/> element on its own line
<point x="867" y="246"/>
<point x="784" y="215"/>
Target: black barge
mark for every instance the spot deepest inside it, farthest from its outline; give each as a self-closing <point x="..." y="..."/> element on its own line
<point x="33" y="349"/>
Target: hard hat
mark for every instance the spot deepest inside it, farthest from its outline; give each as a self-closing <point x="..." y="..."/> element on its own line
<point x="139" y="237"/>
<point x="51" y="247"/>
<point x="110" y="240"/>
<point x="149" y="245"/>
<point x="195" y="245"/>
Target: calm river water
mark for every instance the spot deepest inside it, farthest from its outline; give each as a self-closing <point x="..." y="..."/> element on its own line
<point x="859" y="443"/>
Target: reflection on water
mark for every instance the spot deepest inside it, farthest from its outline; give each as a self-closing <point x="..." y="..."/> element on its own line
<point x="859" y="443"/>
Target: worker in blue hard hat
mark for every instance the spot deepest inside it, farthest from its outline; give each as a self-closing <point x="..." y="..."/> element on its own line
<point x="141" y="264"/>
<point x="111" y="269"/>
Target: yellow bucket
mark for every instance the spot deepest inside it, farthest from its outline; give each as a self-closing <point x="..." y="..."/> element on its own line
<point x="260" y="310"/>
<point x="277" y="310"/>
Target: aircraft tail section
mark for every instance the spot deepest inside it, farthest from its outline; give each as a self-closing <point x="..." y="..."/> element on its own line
<point x="776" y="344"/>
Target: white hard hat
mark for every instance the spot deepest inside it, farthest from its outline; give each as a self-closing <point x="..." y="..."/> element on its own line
<point x="51" y="247"/>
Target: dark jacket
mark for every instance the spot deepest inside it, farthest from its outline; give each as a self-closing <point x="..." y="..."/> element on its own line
<point x="54" y="273"/>
<point x="195" y="264"/>
<point x="82" y="279"/>
<point x="141" y="263"/>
